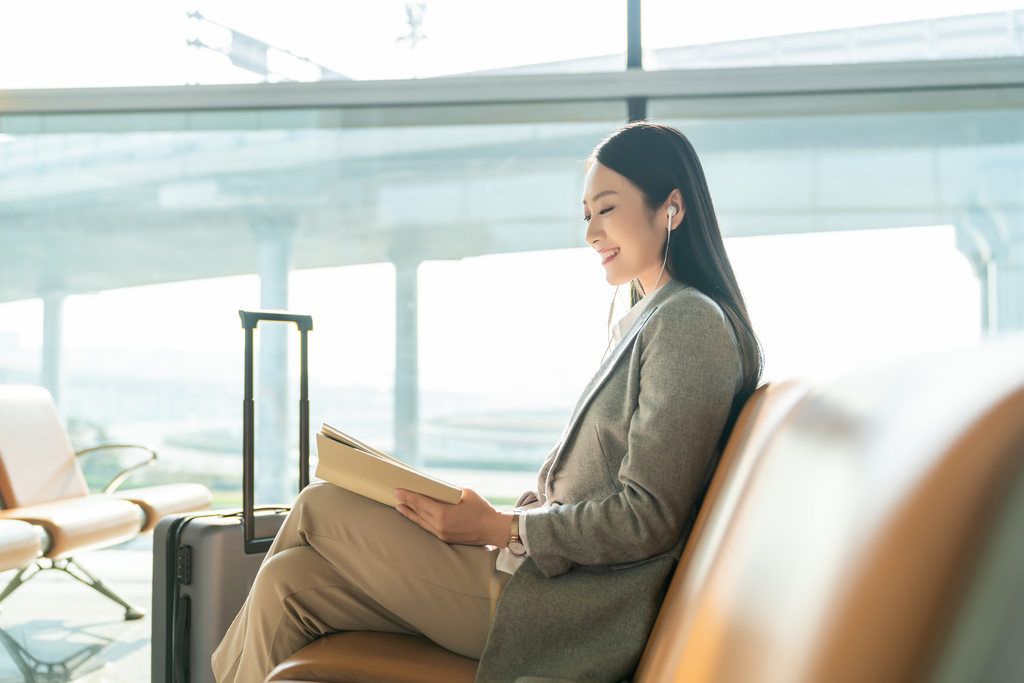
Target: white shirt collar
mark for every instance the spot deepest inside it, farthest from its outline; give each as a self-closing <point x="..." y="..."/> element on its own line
<point x="619" y="328"/>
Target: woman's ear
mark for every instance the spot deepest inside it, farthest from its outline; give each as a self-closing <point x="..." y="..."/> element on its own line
<point x="675" y="200"/>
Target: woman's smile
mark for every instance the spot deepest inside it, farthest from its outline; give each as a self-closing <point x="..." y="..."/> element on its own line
<point x="607" y="255"/>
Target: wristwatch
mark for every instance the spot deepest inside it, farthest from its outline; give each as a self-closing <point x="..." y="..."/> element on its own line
<point x="515" y="544"/>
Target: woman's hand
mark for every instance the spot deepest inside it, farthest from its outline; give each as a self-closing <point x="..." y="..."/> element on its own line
<point x="473" y="521"/>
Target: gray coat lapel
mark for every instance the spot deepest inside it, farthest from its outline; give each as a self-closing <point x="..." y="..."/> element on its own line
<point x="599" y="378"/>
<point x="606" y="368"/>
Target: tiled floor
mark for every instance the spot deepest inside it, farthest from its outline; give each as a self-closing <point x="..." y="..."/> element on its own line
<point x="54" y="629"/>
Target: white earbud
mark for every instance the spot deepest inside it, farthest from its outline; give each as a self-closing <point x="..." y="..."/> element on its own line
<point x="668" y="237"/>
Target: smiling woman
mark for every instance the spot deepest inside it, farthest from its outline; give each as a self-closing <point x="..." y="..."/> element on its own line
<point x="657" y="179"/>
<point x="614" y="500"/>
<point x="630" y="241"/>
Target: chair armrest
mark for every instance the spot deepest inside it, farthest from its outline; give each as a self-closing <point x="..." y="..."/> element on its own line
<point x="119" y="479"/>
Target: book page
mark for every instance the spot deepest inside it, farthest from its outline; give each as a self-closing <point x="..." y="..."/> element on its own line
<point x="343" y="438"/>
<point x="374" y="477"/>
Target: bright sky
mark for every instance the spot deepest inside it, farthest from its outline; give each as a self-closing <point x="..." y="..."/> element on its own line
<point x="69" y="43"/>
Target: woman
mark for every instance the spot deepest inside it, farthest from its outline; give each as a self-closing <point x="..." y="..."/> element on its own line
<point x="567" y="585"/>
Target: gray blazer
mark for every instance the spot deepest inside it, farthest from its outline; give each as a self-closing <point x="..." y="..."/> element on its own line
<point x="623" y="487"/>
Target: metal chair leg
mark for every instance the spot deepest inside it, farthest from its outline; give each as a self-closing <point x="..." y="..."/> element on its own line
<point x="69" y="566"/>
<point x="131" y="610"/>
<point x="20" y="578"/>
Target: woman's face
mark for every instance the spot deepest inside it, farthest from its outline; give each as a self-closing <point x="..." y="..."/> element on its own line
<point x="619" y="228"/>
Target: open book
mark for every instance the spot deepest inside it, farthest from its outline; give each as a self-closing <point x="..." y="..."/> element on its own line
<point x="352" y="465"/>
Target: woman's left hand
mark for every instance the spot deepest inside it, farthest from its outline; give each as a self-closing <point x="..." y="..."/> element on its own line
<point x="473" y="521"/>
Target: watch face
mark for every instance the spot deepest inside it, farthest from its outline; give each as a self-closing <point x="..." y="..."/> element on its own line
<point x="517" y="548"/>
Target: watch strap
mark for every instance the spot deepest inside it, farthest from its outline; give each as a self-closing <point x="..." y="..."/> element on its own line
<point x="515" y="542"/>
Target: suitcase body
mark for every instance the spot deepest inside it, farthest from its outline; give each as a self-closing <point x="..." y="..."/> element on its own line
<point x="201" y="577"/>
<point x="204" y="564"/>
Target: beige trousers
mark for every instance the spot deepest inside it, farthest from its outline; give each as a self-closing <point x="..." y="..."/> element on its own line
<point x="342" y="562"/>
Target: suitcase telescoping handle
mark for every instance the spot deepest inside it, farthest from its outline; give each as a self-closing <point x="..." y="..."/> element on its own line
<point x="249" y="321"/>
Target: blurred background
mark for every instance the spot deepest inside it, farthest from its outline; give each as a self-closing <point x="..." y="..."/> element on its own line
<point x="410" y="175"/>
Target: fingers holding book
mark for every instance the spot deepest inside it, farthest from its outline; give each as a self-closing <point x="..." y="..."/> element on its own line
<point x="473" y="521"/>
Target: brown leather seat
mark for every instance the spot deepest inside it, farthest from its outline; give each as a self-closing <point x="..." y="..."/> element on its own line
<point x="81" y="524"/>
<point x="362" y="657"/>
<point x="389" y="658"/>
<point x="41" y="482"/>
<point x="19" y="545"/>
<point x="763" y="416"/>
<point x="850" y="544"/>
<point x="156" y="502"/>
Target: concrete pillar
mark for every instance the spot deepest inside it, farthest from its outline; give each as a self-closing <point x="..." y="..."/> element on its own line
<point x="993" y="242"/>
<point x="274" y="475"/>
<point x="987" y="292"/>
<point x="406" y="362"/>
<point x="1009" y="287"/>
<point x="52" y="374"/>
<point x="985" y="239"/>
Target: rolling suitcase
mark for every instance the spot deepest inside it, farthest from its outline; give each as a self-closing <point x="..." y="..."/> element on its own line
<point x="205" y="563"/>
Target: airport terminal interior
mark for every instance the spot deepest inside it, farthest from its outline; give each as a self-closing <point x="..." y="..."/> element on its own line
<point x="409" y="174"/>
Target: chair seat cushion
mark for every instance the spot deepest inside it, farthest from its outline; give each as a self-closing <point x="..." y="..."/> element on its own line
<point x="364" y="657"/>
<point x="19" y="544"/>
<point x="80" y="524"/>
<point x="158" y="501"/>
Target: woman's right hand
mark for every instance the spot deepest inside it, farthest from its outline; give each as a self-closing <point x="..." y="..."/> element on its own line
<point x="473" y="521"/>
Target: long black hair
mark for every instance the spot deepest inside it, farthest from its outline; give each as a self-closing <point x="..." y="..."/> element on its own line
<point x="657" y="159"/>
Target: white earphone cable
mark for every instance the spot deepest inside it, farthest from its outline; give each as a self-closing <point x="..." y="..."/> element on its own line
<point x="668" y="237"/>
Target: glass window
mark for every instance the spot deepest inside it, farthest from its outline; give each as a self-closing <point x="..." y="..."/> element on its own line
<point x="437" y="259"/>
<point x="740" y="33"/>
<point x="825" y="303"/>
<point x="114" y="43"/>
<point x="859" y="237"/>
<point x="507" y="343"/>
<point x="125" y="256"/>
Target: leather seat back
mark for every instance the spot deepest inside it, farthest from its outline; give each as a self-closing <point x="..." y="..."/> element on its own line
<point x="762" y="416"/>
<point x="37" y="460"/>
<point x="852" y="540"/>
